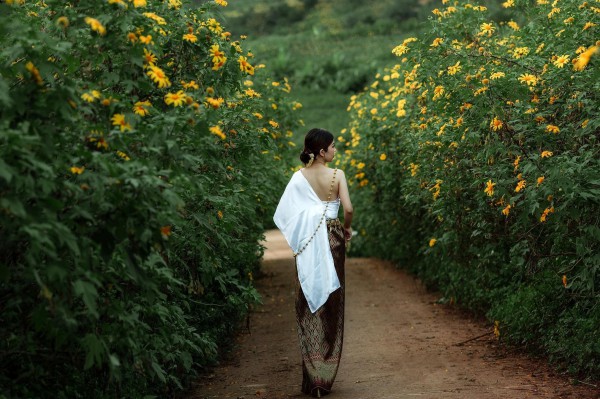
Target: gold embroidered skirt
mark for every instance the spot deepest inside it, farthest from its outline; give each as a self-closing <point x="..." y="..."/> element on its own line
<point x="321" y="333"/>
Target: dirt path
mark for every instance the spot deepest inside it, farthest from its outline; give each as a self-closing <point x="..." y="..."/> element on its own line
<point x="398" y="343"/>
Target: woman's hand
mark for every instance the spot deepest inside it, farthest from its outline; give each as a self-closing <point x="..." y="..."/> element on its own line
<point x="348" y="233"/>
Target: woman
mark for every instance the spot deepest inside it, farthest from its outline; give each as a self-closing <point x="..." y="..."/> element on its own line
<point x="307" y="215"/>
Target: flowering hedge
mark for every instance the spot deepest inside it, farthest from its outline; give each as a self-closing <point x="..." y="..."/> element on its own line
<point x="478" y="155"/>
<point x="139" y="149"/>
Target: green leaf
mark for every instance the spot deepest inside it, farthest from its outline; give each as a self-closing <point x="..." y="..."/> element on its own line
<point x="88" y="294"/>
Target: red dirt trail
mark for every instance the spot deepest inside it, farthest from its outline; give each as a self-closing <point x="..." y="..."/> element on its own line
<point x="398" y="343"/>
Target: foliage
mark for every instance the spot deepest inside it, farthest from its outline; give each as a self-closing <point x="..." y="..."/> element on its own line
<point x="139" y="150"/>
<point x="478" y="156"/>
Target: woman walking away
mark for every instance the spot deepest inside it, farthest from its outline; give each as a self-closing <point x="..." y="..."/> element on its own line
<point x="307" y="215"/>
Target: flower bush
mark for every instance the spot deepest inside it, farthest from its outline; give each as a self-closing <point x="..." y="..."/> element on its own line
<point x="478" y="155"/>
<point x="139" y="149"/>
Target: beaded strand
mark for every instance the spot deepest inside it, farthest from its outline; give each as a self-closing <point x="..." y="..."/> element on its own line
<point x="322" y="217"/>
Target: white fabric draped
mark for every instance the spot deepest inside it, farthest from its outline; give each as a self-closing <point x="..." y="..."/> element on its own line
<point x="297" y="216"/>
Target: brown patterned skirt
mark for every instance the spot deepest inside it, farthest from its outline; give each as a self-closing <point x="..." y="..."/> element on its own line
<point x="321" y="333"/>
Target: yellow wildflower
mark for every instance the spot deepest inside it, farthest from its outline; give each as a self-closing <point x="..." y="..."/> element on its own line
<point x="486" y="28"/>
<point x="506" y="210"/>
<point x="149" y="57"/>
<point x="158" y="76"/>
<point x="489" y="188"/>
<point x="552" y="129"/>
<point x="146" y="39"/>
<point x="496" y="124"/>
<point x="217" y="131"/>
<point x="520" y="185"/>
<point x="561" y="61"/>
<point x="545" y="214"/>
<point x="245" y="65"/>
<point x="95" y="25"/>
<point x="432" y="242"/>
<point x="119" y="120"/>
<point x="175" y="99"/>
<point x="584" y="58"/>
<point x="546" y="154"/>
<point x="141" y="108"/>
<point x="540" y="180"/>
<point x="76" y="170"/>
<point x="529" y="79"/>
<point x="139" y="3"/>
<point x="382" y="157"/>
<point x="588" y="25"/>
<point x="190" y="37"/>
<point x="436" y="42"/>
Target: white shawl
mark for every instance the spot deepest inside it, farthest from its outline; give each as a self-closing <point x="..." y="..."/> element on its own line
<point x="297" y="216"/>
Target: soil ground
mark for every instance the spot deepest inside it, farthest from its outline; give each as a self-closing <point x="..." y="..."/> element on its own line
<point x="398" y="343"/>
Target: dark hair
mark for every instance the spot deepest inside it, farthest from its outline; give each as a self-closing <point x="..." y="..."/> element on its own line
<point x="315" y="140"/>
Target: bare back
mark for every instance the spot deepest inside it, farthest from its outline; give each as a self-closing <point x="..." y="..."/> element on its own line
<point x="320" y="179"/>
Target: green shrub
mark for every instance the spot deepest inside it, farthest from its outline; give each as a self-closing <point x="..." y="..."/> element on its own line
<point x="478" y="156"/>
<point x="137" y="173"/>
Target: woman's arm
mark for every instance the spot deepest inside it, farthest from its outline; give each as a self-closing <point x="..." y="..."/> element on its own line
<point x="347" y="204"/>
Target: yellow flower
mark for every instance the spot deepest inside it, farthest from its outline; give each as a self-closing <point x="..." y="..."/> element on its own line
<point x="508" y="3"/>
<point x="76" y="170"/>
<point x="215" y="102"/>
<point x="62" y="21"/>
<point x="124" y="156"/>
<point x="489" y="189"/>
<point x="513" y="25"/>
<point x="497" y="75"/>
<point x="222" y="3"/>
<point x="553" y="12"/>
<point x="584" y="58"/>
<point x="413" y="169"/>
<point x="360" y="165"/>
<point x="149" y="57"/>
<point x="561" y="61"/>
<point x="564" y="280"/>
<point x="217" y="131"/>
<point x="400" y="50"/>
<point x="432" y="242"/>
<point x="175" y="99"/>
<point x="141" y="108"/>
<point x="382" y="157"/>
<point x="496" y="124"/>
<point x="119" y="120"/>
<point x="139" y="3"/>
<point x="158" y="76"/>
<point x="569" y="21"/>
<point x="159" y="20"/>
<point x="540" y="180"/>
<point x="146" y="39"/>
<point x="436" y="42"/>
<point x="252" y="93"/>
<point x="520" y="52"/>
<point x="438" y="92"/>
<point x="545" y="214"/>
<point x="245" y="66"/>
<point x="520" y="186"/>
<point x="506" y="210"/>
<point x="552" y="129"/>
<point x="529" y="79"/>
<point x="95" y="25"/>
<point x="486" y="28"/>
<point x="190" y="37"/>
<point x="274" y="124"/>
<point x="452" y="70"/>
<point x="257" y="115"/>
<point x="191" y="85"/>
<point x="165" y="231"/>
<point x="588" y="25"/>
<point x="176" y="4"/>
<point x="547" y="154"/>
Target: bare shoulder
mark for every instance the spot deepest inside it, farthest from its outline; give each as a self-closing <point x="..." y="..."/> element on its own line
<point x="339" y="172"/>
